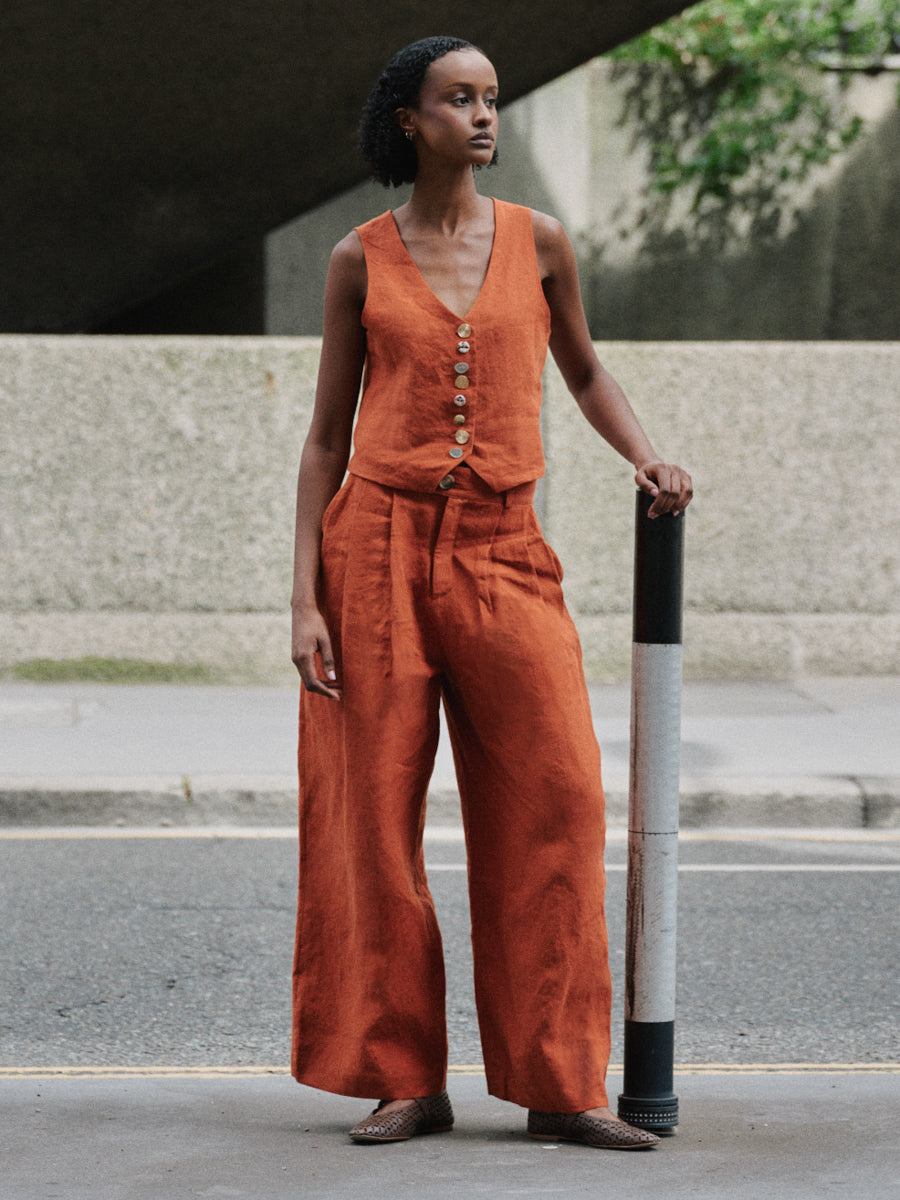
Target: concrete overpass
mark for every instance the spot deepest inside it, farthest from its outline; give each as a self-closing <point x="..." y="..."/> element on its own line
<point x="145" y="144"/>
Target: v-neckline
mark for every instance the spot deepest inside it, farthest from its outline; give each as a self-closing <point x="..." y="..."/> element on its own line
<point x="427" y="285"/>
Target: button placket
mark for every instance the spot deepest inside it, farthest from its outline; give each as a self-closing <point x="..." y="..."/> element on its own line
<point x="461" y="382"/>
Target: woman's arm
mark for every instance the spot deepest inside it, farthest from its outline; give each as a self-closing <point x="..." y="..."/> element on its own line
<point x="325" y="455"/>
<point x="598" y="395"/>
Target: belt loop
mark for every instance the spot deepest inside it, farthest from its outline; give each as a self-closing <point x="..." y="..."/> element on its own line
<point x="442" y="554"/>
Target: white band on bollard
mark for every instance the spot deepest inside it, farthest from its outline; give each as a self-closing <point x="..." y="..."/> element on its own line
<point x="653" y="833"/>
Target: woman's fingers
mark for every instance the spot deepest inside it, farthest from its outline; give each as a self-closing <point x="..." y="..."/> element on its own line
<point x="328" y="686"/>
<point x="670" y="486"/>
<point x="311" y="638"/>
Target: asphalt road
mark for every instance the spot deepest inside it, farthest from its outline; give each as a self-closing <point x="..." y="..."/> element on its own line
<point x="152" y="948"/>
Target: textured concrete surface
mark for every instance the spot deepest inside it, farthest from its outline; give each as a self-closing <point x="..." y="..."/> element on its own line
<point x="788" y="562"/>
<point x="748" y="1137"/>
<point x="823" y="752"/>
<point x="145" y="474"/>
<point x="146" y="503"/>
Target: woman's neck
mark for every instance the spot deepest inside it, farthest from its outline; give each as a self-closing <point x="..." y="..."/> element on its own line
<point x="445" y="202"/>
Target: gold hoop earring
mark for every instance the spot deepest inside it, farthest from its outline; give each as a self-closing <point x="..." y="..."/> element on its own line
<point x="408" y="136"/>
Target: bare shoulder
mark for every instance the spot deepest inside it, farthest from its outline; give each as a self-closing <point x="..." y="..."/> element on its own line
<point x="554" y="250"/>
<point x="348" y="253"/>
<point x="547" y="230"/>
<point x="347" y="266"/>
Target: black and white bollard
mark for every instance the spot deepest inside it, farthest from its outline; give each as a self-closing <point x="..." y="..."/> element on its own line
<point x="648" y="1099"/>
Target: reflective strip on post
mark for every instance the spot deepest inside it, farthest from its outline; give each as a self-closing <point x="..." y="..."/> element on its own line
<point x="648" y="1099"/>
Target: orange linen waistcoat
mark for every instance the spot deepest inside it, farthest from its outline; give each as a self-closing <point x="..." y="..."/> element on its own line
<point x="426" y="367"/>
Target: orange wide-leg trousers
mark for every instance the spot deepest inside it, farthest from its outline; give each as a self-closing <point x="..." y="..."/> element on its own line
<point x="453" y="596"/>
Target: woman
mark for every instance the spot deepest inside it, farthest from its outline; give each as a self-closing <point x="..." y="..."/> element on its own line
<point x="425" y="578"/>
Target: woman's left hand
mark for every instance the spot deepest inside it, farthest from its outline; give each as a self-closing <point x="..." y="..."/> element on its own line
<point x="670" y="485"/>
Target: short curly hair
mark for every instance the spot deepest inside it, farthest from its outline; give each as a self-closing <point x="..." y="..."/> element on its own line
<point x="382" y="143"/>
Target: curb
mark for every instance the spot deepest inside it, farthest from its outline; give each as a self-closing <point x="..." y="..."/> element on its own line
<point x="841" y="802"/>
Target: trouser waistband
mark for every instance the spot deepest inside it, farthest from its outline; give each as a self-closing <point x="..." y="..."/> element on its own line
<point x="463" y="481"/>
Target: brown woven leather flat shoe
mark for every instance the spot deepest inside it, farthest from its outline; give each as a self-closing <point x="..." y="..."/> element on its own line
<point x="601" y="1132"/>
<point x="430" y="1114"/>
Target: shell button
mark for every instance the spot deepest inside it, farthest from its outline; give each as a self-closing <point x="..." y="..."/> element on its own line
<point x="462" y="348"/>
<point x="464" y="330"/>
<point x="459" y="419"/>
<point x="456" y="452"/>
<point x="461" y="381"/>
<point x="459" y="401"/>
<point x="462" y="436"/>
<point x="461" y="368"/>
<point x="447" y="482"/>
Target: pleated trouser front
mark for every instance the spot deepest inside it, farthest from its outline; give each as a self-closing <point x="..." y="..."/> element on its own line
<point x="452" y="596"/>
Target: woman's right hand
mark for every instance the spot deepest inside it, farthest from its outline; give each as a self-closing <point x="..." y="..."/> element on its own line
<point x="309" y="636"/>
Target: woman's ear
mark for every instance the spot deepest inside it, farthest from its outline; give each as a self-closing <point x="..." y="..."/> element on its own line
<point x="405" y="120"/>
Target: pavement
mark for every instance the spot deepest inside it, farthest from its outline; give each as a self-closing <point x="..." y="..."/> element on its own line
<point x="815" y="752"/>
<point x="745" y="1136"/>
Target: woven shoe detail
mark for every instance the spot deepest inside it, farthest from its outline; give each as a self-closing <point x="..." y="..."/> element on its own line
<point x="430" y="1114"/>
<point x="601" y="1132"/>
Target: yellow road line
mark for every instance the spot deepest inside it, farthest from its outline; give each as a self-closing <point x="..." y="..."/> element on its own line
<point x="798" y="1068"/>
<point x="103" y="832"/>
<point x="261" y="1071"/>
<point x="124" y="1072"/>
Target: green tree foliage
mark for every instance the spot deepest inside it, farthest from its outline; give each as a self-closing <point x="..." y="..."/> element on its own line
<point x="746" y="103"/>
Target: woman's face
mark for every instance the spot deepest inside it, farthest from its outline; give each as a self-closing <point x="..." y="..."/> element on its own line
<point x="456" y="117"/>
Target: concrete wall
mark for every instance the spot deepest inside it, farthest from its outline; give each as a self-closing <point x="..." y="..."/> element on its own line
<point x="147" y="493"/>
<point x="813" y="261"/>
